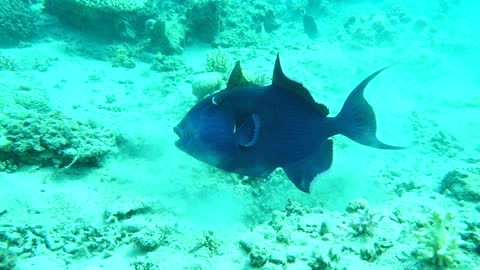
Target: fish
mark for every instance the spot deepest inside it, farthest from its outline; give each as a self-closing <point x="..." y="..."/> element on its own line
<point x="252" y="130"/>
<point x="310" y="26"/>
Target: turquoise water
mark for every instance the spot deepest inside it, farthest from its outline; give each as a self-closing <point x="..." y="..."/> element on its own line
<point x="91" y="179"/>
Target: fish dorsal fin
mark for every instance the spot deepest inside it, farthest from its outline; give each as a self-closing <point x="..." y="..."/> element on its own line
<point x="283" y="82"/>
<point x="236" y="77"/>
<point x="248" y="132"/>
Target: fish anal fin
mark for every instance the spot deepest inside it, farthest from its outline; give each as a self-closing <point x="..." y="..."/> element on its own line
<point x="302" y="172"/>
<point x="282" y="82"/>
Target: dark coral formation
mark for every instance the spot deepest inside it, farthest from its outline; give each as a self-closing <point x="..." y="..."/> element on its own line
<point x="31" y="132"/>
<point x="203" y="20"/>
<point x="17" y="22"/>
<point x="462" y="184"/>
<point x="102" y="18"/>
<point x="166" y="26"/>
<point x="7" y="259"/>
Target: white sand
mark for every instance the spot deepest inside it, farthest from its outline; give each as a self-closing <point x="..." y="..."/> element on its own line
<point x="428" y="90"/>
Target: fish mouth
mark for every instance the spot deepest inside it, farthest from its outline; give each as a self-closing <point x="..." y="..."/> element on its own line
<point x="179" y="132"/>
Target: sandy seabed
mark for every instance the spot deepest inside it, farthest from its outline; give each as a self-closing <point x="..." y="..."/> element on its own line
<point x="147" y="205"/>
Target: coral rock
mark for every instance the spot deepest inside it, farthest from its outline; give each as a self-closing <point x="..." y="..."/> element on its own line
<point x="17" y="22"/>
<point x="206" y="83"/>
<point x="463" y="184"/>
<point x="438" y="242"/>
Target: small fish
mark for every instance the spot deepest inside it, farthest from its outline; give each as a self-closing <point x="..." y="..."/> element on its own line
<point x="310" y="26"/>
<point x="252" y="130"/>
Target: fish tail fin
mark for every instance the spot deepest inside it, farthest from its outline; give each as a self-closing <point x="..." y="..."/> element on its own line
<point x="357" y="119"/>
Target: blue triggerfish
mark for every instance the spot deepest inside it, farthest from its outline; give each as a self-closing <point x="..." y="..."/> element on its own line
<point x="252" y="130"/>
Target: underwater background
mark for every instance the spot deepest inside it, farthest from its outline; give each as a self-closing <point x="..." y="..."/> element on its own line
<point x="90" y="177"/>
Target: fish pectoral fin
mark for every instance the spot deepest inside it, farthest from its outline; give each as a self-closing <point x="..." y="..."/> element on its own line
<point x="248" y="132"/>
<point x="302" y="172"/>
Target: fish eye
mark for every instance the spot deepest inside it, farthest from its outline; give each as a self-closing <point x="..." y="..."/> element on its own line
<point x="216" y="100"/>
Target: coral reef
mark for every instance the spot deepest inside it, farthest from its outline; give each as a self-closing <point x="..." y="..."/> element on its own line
<point x="321" y="262"/>
<point x="54" y="139"/>
<point x="317" y="7"/>
<point x="203" y="19"/>
<point x="380" y="27"/>
<point x="206" y="83"/>
<point x="113" y="5"/>
<point x="446" y="144"/>
<point x="8" y="259"/>
<point x="437" y="241"/>
<point x="34" y="133"/>
<point x="80" y="239"/>
<point x="163" y="63"/>
<point x="355" y="205"/>
<point x="150" y="238"/>
<point x="364" y="222"/>
<point x="258" y="255"/>
<point x="8" y="63"/>
<point x="217" y="61"/>
<point x="284" y="236"/>
<point x="17" y="22"/>
<point x="462" y="184"/>
<point x="311" y="238"/>
<point x="296" y="8"/>
<point x="143" y="265"/>
<point x="370" y="29"/>
<point x="471" y="236"/>
<point x="387" y="27"/>
<point x="109" y="19"/>
<point x="277" y="257"/>
<point x="237" y="37"/>
<point x="210" y="242"/>
<point x="251" y="27"/>
<point x="259" y="79"/>
<point x="370" y="254"/>
<point x="74" y="240"/>
<point x="168" y="37"/>
<point x="278" y="217"/>
<point x="295" y="208"/>
<point x="153" y="26"/>
<point x="264" y="17"/>
<point x="122" y="57"/>
<point x="282" y="240"/>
